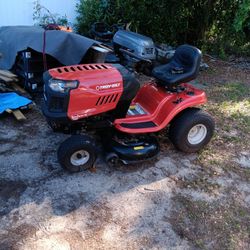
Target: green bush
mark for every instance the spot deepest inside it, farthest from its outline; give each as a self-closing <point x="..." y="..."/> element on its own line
<point x="219" y="26"/>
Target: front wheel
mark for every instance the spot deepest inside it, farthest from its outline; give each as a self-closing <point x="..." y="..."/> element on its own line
<point x="77" y="153"/>
<point x="191" y="130"/>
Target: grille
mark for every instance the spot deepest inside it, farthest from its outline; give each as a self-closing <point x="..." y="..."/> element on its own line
<point x="149" y="51"/>
<point x="82" y="68"/>
<point x="56" y="104"/>
<point x="106" y="99"/>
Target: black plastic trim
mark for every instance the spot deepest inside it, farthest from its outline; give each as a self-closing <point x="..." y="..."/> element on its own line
<point x="139" y="125"/>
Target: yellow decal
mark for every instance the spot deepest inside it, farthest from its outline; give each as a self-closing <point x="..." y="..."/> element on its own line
<point x="138" y="148"/>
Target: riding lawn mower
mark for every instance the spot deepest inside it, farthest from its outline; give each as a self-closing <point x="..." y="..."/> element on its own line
<point x="104" y="104"/>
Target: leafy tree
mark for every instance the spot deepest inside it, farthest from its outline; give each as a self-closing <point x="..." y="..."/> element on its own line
<point x="215" y="25"/>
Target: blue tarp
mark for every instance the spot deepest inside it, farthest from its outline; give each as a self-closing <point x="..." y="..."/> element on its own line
<point x="12" y="101"/>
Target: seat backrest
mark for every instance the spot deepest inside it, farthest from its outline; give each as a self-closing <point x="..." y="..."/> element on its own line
<point x="189" y="58"/>
<point x="100" y="27"/>
<point x="183" y="67"/>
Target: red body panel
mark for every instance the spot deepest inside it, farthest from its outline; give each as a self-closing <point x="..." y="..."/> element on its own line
<point x="161" y="107"/>
<point x="100" y="88"/>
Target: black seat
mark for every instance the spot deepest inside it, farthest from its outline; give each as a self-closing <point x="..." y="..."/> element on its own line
<point x="102" y="31"/>
<point x="183" y="67"/>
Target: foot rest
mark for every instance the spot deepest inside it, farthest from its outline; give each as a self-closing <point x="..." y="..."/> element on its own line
<point x="138" y="125"/>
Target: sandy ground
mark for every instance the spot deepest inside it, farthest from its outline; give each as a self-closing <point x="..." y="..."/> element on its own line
<point x="173" y="202"/>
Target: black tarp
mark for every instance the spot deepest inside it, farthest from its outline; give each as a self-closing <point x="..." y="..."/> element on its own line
<point x="67" y="48"/>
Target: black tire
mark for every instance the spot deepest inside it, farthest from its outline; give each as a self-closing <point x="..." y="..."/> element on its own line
<point x="182" y="125"/>
<point x="112" y="159"/>
<point x="67" y="153"/>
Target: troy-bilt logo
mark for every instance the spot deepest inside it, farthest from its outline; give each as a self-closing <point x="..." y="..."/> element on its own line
<point x="108" y="86"/>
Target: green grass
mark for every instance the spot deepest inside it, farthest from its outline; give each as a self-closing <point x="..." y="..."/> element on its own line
<point x="208" y="225"/>
<point x="229" y="104"/>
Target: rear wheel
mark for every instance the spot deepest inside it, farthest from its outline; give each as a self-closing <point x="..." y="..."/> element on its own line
<point x="191" y="130"/>
<point x="77" y="153"/>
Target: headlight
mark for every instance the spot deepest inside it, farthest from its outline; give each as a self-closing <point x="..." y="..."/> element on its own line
<point x="61" y="85"/>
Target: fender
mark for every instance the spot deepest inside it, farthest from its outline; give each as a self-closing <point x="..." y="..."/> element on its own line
<point x="161" y="107"/>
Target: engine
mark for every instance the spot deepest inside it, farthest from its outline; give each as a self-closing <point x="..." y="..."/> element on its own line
<point x="138" y="44"/>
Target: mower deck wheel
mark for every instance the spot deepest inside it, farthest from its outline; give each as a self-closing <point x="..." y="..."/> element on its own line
<point x="77" y="153"/>
<point x="112" y="159"/>
<point x="191" y="130"/>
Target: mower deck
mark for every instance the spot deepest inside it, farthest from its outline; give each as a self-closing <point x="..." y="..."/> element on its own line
<point x="154" y="108"/>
